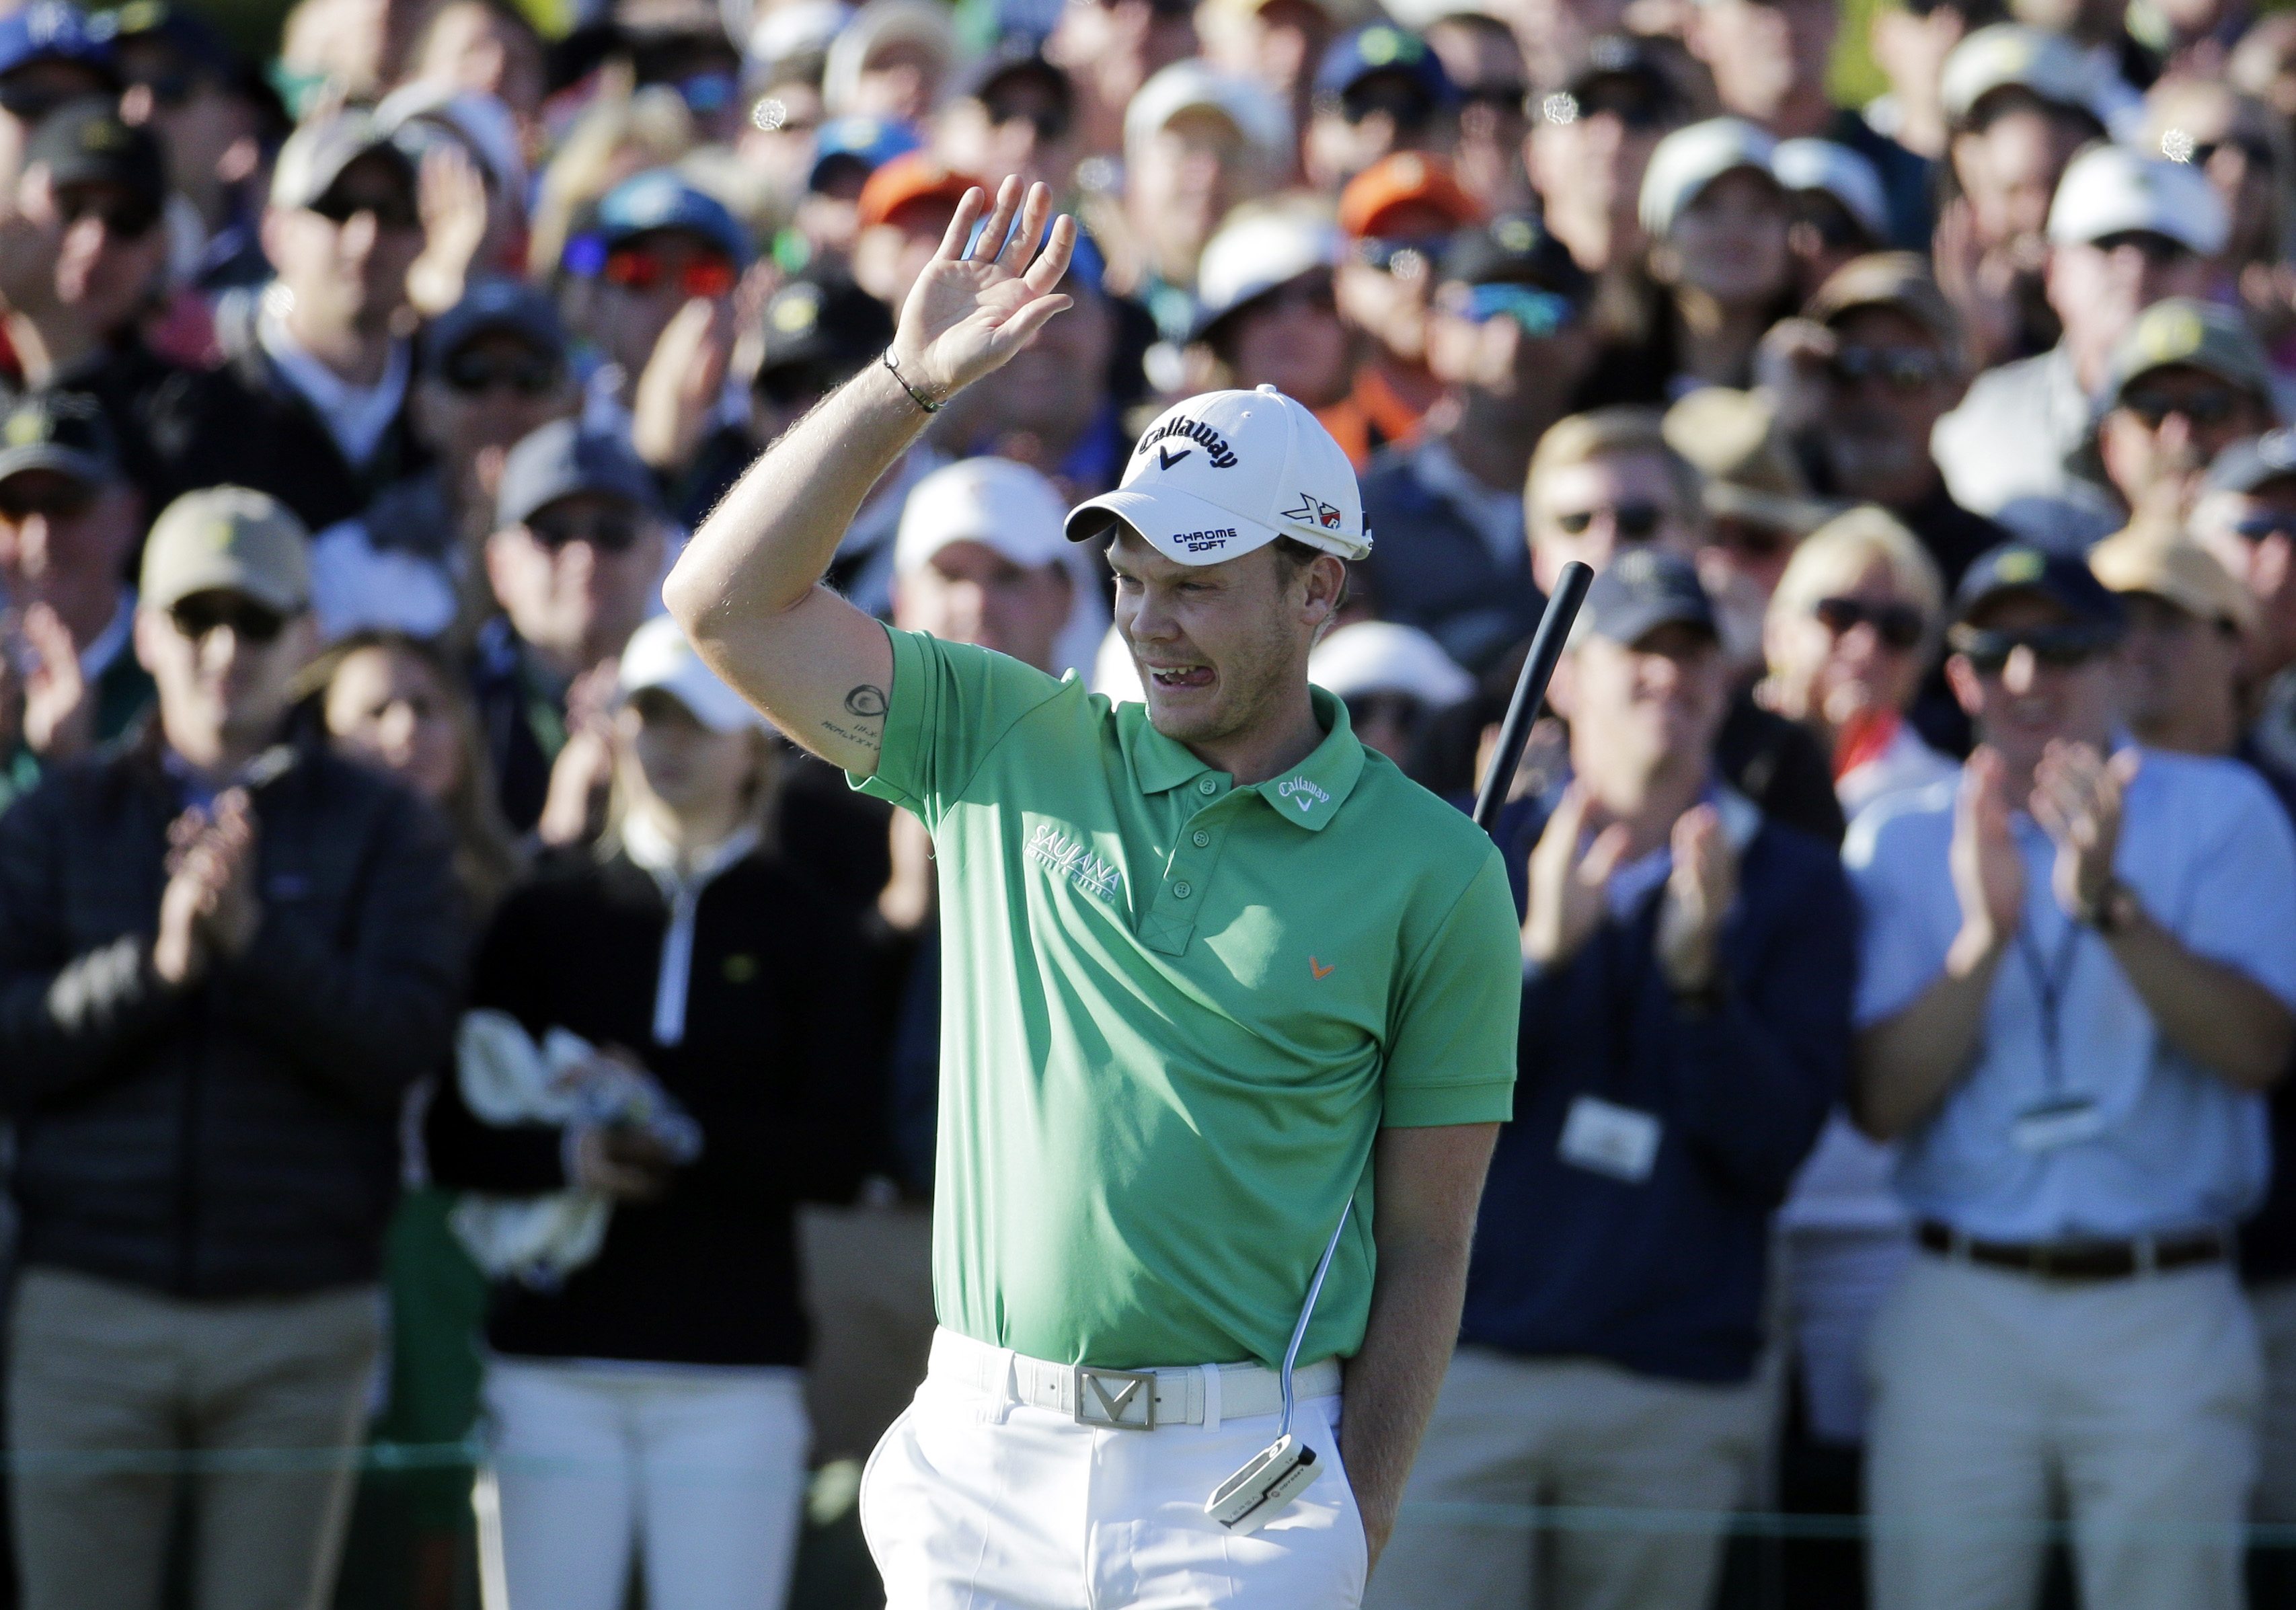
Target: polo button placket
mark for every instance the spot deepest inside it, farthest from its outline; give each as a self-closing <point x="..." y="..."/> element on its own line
<point x="1171" y="922"/>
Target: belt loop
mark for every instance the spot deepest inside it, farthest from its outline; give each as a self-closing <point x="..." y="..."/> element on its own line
<point x="1006" y="1396"/>
<point x="1211" y="1374"/>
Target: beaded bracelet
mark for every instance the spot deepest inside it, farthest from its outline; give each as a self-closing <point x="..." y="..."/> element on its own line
<point x="893" y="366"/>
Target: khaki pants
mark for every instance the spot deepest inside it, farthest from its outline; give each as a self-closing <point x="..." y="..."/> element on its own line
<point x="97" y="1367"/>
<point x="868" y="1287"/>
<point x="1511" y="1433"/>
<point x="2000" y="1400"/>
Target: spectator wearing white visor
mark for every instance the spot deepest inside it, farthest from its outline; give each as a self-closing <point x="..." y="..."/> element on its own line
<point x="1718" y="221"/>
<point x="1394" y="680"/>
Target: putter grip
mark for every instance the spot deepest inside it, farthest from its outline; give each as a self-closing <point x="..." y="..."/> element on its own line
<point x="1522" y="710"/>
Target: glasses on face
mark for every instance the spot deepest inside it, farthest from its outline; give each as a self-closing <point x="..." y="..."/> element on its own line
<point x="472" y="373"/>
<point x="55" y="497"/>
<point x="1540" y="312"/>
<point x="1747" y="540"/>
<point x="1405" y="106"/>
<point x="2210" y="406"/>
<point x="392" y="210"/>
<point x="609" y="531"/>
<point x="710" y="275"/>
<point x="2268" y="522"/>
<point x="791" y="385"/>
<point x="124" y="217"/>
<point x="1407" y="258"/>
<point x="28" y="103"/>
<point x="1633" y="522"/>
<point x="1498" y="97"/>
<point x="1366" y="709"/>
<point x="1051" y="123"/>
<point x="1898" y="626"/>
<point x="2158" y="250"/>
<point x="1906" y="369"/>
<point x="2059" y="647"/>
<point x="203" y="612"/>
<point x="2257" y="152"/>
<point x="170" y="89"/>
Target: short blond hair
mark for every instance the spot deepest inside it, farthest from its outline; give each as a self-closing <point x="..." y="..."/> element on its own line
<point x="1835" y="554"/>
<point x="1617" y="433"/>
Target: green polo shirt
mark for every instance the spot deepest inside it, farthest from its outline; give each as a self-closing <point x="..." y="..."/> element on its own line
<point x="1174" y="1014"/>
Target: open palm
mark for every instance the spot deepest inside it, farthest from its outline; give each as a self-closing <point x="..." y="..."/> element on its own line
<point x="967" y="315"/>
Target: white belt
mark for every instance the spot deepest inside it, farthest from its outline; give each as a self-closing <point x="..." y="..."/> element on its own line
<point x="1127" y="1399"/>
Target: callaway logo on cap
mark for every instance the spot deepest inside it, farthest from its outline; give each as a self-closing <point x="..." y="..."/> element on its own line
<point x="1229" y="471"/>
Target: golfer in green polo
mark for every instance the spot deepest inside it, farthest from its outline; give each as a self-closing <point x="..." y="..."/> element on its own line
<point x="1230" y="1003"/>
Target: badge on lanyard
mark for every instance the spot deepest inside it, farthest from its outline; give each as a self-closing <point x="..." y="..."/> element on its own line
<point x="2057" y="1121"/>
<point x="1604" y="1138"/>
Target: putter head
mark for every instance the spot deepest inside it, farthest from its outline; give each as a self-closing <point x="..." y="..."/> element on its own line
<point x="1258" y="1494"/>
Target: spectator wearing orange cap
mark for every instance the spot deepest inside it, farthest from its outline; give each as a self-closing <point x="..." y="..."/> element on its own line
<point x="903" y="211"/>
<point x="1397" y="215"/>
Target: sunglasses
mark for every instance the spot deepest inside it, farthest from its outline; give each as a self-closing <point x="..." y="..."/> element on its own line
<point x="1898" y="626"/>
<point x="1406" y="259"/>
<point x="1636" y="113"/>
<point x="172" y="91"/>
<point x="472" y="374"/>
<point x="394" y="210"/>
<point x="2212" y="406"/>
<point x="2060" y="647"/>
<point x="1905" y="369"/>
<point x="124" y="217"/>
<point x="249" y="621"/>
<point x="609" y="533"/>
<point x="29" y="104"/>
<point x="1402" y="709"/>
<point x="1500" y="97"/>
<point x="791" y="385"/>
<point x="2257" y="153"/>
<point x="1050" y="122"/>
<point x="2256" y="527"/>
<point x="53" y="496"/>
<point x="1540" y="312"/>
<point x="1751" y="541"/>
<point x="709" y="276"/>
<point x="1409" y="109"/>
<point x="1635" y="522"/>
<point x="2158" y="250"/>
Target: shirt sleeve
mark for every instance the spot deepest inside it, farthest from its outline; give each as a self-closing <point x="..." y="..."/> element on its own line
<point x="1899" y="953"/>
<point x="2243" y="910"/>
<point x="950" y="706"/>
<point x="1450" y="1055"/>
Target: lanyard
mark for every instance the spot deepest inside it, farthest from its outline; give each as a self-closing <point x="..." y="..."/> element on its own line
<point x="2049" y="984"/>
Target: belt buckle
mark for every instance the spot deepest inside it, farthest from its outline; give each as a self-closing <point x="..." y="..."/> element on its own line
<point x="1120" y="1400"/>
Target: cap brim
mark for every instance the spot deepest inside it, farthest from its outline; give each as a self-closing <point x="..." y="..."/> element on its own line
<point x="225" y="573"/>
<point x="1183" y="527"/>
<point x="715" y="706"/>
<point x="62" y="461"/>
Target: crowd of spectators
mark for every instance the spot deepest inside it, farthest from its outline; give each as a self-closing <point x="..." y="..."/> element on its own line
<point x="434" y="1010"/>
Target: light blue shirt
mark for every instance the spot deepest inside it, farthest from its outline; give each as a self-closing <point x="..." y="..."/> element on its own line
<point x="2212" y="858"/>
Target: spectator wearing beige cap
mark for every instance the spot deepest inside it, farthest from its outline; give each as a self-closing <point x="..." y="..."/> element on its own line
<point x="222" y="959"/>
<point x="2179" y="666"/>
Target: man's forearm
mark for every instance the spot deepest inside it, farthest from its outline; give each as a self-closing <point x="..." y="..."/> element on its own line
<point x="1393" y="1382"/>
<point x="1902" y="1066"/>
<point x="771" y="538"/>
<point x="2217" y="1015"/>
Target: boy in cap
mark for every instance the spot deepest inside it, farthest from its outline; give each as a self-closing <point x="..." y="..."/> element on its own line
<point x="2189" y="380"/>
<point x="1379" y="91"/>
<point x="2078" y="975"/>
<point x="223" y="960"/>
<point x="1123" y="1244"/>
<point x="1677" y="942"/>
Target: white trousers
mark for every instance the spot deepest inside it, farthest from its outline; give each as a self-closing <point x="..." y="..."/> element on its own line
<point x="975" y="1502"/>
<point x="701" y="1470"/>
<point x="1999" y="1401"/>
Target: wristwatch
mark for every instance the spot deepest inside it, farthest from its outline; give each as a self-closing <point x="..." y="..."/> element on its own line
<point x="2113" y="911"/>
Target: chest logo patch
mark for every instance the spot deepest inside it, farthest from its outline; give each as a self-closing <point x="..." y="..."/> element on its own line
<point x="1072" y="859"/>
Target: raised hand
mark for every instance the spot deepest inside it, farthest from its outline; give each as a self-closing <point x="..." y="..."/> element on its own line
<point x="967" y="315"/>
<point x="1569" y="882"/>
<point x="670" y="409"/>
<point x="1989" y="878"/>
<point x="1699" y="892"/>
<point x="2077" y="801"/>
<point x="59" y="712"/>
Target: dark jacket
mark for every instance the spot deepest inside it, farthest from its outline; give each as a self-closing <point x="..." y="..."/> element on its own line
<point x="284" y="447"/>
<point x="239" y="1138"/>
<point x="775" y="1065"/>
<point x="1666" y="1277"/>
<point x="1431" y="568"/>
<point x="522" y="711"/>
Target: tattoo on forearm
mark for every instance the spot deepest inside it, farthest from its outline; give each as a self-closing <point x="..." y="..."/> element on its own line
<point x="867" y="704"/>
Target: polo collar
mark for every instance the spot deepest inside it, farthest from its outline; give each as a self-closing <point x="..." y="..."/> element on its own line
<point x="1309" y="795"/>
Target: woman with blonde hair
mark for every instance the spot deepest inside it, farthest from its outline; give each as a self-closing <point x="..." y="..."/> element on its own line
<point x="1849" y="634"/>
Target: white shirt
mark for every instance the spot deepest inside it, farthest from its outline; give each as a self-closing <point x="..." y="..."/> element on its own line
<point x="357" y="416"/>
<point x="2010" y="437"/>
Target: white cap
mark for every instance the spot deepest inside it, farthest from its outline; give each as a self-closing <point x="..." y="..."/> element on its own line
<point x="471" y="116"/>
<point x="2111" y="190"/>
<point x="1264" y="122"/>
<point x="2010" y="55"/>
<point x="658" y="656"/>
<point x="802" y="29"/>
<point x="1228" y="471"/>
<point x="1689" y="160"/>
<point x="1256" y="250"/>
<point x="1841" y="173"/>
<point x="919" y="21"/>
<point x="1380" y="657"/>
<point x="994" y="501"/>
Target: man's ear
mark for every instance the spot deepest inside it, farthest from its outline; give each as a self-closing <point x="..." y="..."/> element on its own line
<point x="148" y="623"/>
<point x="1562" y="688"/>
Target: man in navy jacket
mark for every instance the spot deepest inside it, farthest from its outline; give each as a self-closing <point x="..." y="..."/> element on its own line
<point x="1688" y="967"/>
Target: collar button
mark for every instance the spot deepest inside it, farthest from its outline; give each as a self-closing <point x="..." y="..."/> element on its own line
<point x="1207" y="787"/>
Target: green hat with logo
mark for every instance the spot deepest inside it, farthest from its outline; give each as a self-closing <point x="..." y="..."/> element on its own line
<point x="2181" y="332"/>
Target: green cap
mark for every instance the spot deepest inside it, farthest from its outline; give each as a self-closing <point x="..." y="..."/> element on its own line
<point x="2182" y="333"/>
<point x="228" y="539"/>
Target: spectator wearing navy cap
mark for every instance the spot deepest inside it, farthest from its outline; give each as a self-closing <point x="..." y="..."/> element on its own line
<point x="1591" y="137"/>
<point x="489" y="372"/>
<point x="575" y="562"/>
<point x="1507" y="337"/>
<point x="845" y="151"/>
<point x="323" y="356"/>
<point x="2078" y="975"/>
<point x="1379" y="90"/>
<point x="1012" y="111"/>
<point x="1687" y="967"/>
<point x="49" y="54"/>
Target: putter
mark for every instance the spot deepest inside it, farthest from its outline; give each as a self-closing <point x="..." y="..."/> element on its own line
<point x="1530" y="690"/>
